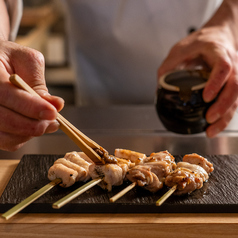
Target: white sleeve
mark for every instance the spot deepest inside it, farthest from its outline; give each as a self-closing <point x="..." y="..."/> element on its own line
<point x="14" y="8"/>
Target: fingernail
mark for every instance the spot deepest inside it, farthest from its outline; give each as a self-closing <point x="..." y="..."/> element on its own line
<point x="53" y="127"/>
<point x="45" y="93"/>
<point x="213" y="117"/>
<point x="47" y="115"/>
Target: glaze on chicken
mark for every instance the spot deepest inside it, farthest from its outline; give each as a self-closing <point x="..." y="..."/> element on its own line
<point x="189" y="174"/>
<point x="199" y="160"/>
<point x="144" y="177"/>
<point x="162" y="156"/>
<point x="131" y="155"/>
<point x="195" y="168"/>
<point x="186" y="180"/>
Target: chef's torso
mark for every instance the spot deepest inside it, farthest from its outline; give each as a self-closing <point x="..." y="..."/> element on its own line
<point x="117" y="45"/>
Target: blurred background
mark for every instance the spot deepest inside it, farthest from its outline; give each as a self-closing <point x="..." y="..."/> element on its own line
<point x="43" y="28"/>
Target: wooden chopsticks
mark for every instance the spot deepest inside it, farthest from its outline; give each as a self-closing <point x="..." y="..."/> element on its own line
<point x="87" y="145"/>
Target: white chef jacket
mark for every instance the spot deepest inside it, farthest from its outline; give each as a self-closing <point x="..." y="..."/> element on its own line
<point x="117" y="46"/>
<point x="14" y="8"/>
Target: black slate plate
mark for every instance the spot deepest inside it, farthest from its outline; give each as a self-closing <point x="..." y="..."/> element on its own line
<point x="219" y="194"/>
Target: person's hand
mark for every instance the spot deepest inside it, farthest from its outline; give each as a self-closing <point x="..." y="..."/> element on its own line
<point x="23" y="116"/>
<point x="214" y="46"/>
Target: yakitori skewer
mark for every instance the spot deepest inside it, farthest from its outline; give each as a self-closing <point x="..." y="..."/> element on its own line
<point x="188" y="176"/>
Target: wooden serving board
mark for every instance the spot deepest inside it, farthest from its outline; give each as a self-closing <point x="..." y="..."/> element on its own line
<point x="218" y="195"/>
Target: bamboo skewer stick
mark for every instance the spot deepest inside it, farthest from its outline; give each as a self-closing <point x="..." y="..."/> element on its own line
<point x="82" y="141"/>
<point x="10" y="213"/>
<point x="60" y="203"/>
<point x="123" y="192"/>
<point x="166" y="196"/>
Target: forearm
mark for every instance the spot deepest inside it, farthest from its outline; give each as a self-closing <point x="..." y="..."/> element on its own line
<point x="4" y="21"/>
<point x="227" y="17"/>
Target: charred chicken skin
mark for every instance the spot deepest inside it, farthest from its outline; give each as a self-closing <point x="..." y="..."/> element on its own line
<point x="131" y="155"/>
<point x="186" y="180"/>
<point x="189" y="174"/>
<point x="195" y="168"/>
<point x="199" y="160"/>
<point x="145" y="178"/>
<point x="162" y="156"/>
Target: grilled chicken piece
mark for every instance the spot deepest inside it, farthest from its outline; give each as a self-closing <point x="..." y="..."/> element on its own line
<point x="111" y="174"/>
<point x="186" y="180"/>
<point x="195" y="168"/>
<point x="144" y="177"/>
<point x="75" y="154"/>
<point x="199" y="160"/>
<point x="72" y="168"/>
<point x="125" y="161"/>
<point x="82" y="172"/>
<point x="160" y="168"/>
<point x="82" y="160"/>
<point x="131" y="155"/>
<point x="67" y="175"/>
<point x="162" y="156"/>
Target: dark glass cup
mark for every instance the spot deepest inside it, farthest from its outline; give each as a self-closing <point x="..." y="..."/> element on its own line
<point x="179" y="101"/>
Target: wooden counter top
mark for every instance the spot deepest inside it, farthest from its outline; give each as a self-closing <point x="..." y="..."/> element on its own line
<point x="113" y="225"/>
